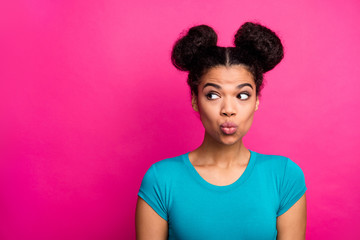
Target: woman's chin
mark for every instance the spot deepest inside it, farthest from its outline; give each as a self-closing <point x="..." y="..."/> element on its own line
<point x="224" y="139"/>
<point x="230" y="140"/>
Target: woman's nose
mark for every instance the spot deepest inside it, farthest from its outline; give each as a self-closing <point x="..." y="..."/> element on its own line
<point x="228" y="108"/>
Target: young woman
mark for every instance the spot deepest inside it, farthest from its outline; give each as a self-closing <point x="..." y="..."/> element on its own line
<point x="222" y="190"/>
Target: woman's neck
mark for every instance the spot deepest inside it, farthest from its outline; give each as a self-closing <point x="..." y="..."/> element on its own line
<point x="211" y="152"/>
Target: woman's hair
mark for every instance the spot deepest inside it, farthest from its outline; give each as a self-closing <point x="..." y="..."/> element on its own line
<point x="257" y="48"/>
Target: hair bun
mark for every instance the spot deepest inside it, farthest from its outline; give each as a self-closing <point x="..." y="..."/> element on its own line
<point x="186" y="47"/>
<point x="260" y="41"/>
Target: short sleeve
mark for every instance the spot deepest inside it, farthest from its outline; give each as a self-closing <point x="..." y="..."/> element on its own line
<point x="152" y="192"/>
<point x="292" y="186"/>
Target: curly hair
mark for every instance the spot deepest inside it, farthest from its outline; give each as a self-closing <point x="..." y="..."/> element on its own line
<point x="257" y="48"/>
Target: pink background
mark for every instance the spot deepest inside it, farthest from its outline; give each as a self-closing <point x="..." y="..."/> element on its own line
<point x="89" y="100"/>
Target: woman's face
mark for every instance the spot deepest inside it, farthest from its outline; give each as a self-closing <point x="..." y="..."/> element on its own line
<point x="226" y="103"/>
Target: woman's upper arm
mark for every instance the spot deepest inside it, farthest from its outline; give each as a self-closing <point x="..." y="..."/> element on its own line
<point x="149" y="225"/>
<point x="292" y="224"/>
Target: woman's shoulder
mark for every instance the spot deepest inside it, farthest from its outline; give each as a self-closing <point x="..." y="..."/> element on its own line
<point x="170" y="161"/>
<point x="168" y="167"/>
<point x="275" y="162"/>
<point x="270" y="158"/>
<point x="287" y="174"/>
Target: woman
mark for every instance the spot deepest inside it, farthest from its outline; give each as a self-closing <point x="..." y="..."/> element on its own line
<point x="222" y="190"/>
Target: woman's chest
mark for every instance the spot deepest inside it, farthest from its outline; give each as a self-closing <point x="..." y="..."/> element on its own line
<point x="220" y="177"/>
<point x="244" y="214"/>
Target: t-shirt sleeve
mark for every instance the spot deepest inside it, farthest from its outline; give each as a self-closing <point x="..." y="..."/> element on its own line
<point x="151" y="190"/>
<point x="292" y="186"/>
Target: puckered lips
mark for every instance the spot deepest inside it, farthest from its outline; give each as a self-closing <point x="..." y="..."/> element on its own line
<point x="228" y="128"/>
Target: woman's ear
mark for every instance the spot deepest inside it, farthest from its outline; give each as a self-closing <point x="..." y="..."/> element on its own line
<point x="194" y="102"/>
<point x="257" y="103"/>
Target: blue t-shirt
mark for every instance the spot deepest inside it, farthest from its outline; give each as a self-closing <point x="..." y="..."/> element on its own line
<point x="245" y="209"/>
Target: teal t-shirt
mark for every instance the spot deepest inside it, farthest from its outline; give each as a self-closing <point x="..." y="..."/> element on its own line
<point x="245" y="209"/>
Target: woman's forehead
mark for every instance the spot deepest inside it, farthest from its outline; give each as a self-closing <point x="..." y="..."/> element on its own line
<point x="228" y="75"/>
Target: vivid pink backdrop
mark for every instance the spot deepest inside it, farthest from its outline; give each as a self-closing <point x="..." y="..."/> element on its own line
<point x="89" y="100"/>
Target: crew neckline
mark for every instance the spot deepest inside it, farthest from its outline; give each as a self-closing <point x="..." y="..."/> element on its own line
<point x="244" y="176"/>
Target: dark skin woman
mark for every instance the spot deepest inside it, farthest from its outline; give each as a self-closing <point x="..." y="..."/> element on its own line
<point x="225" y="85"/>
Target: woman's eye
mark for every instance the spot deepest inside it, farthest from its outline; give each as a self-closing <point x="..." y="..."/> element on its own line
<point x="212" y="96"/>
<point x="244" y="96"/>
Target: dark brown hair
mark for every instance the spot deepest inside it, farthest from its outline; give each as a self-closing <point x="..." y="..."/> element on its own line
<point x="256" y="47"/>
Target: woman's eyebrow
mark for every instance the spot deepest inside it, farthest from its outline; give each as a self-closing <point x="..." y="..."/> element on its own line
<point x="219" y="87"/>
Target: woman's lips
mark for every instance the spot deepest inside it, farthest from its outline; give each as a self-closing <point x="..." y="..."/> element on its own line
<point x="228" y="131"/>
<point x="228" y="128"/>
